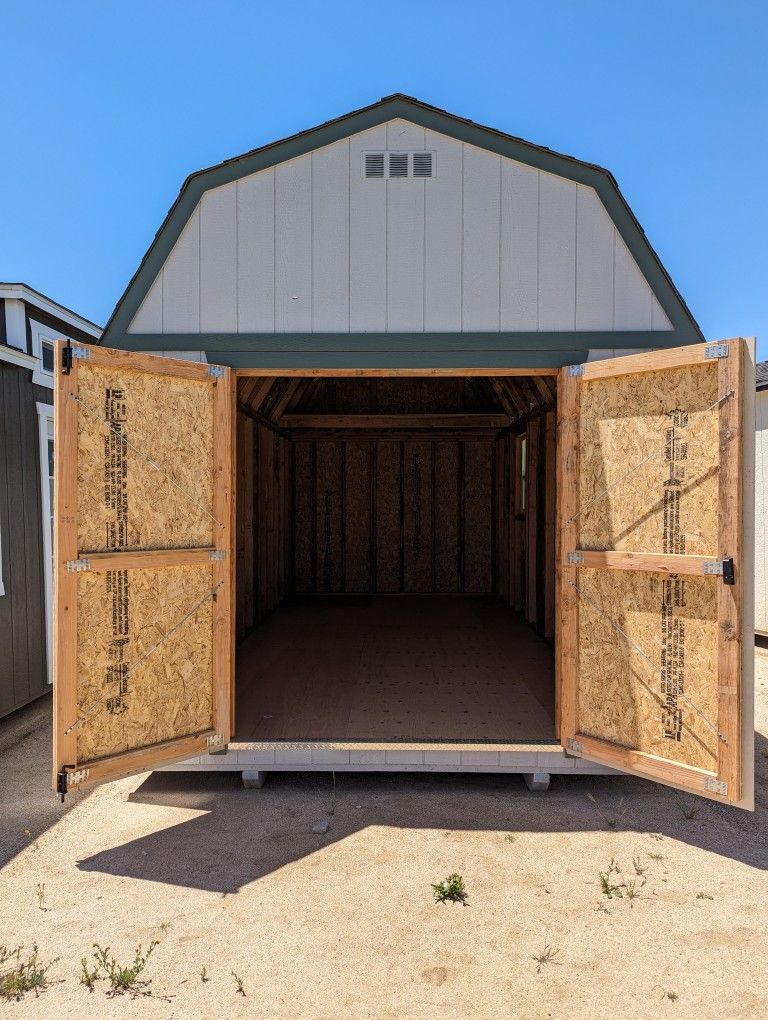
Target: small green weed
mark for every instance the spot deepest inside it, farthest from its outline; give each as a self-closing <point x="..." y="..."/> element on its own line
<point x="657" y="857"/>
<point x="704" y="896"/>
<point x="28" y="975"/>
<point x="40" y="894"/>
<point x="609" y="888"/>
<point x="631" y="891"/>
<point x="121" y="979"/>
<point x="204" y="975"/>
<point x="611" y="821"/>
<point x="621" y="888"/>
<point x="690" y="809"/>
<point x="547" y="955"/>
<point x="88" y="977"/>
<point x="640" y="869"/>
<point x="509" y="838"/>
<point x="239" y="988"/>
<point x="452" y="888"/>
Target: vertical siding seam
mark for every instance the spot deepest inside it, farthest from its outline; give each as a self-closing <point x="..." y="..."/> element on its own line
<point x="311" y="243"/>
<point x="349" y="236"/>
<point x="613" y="268"/>
<point x="461" y="261"/>
<point x="274" y="249"/>
<point x="538" y="249"/>
<point x="237" y="255"/>
<point x="200" y="264"/>
<point x="576" y="255"/>
<point x="162" y="299"/>
<point x="501" y="213"/>
<point x="424" y="245"/>
<point x="386" y="231"/>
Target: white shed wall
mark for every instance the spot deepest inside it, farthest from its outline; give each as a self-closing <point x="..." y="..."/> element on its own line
<point x="486" y="245"/>
<point x="761" y="512"/>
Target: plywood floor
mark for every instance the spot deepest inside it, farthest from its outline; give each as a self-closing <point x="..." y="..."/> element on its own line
<point x="395" y="668"/>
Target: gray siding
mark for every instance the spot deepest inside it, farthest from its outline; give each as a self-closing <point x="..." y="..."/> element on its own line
<point x="487" y="245"/>
<point x="23" y="671"/>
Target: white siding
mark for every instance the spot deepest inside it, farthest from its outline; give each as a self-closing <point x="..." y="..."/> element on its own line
<point x="293" y="246"/>
<point x="150" y="313"/>
<point x="442" y="235"/>
<point x="330" y="238"/>
<point x="594" y="261"/>
<point x="405" y="237"/>
<point x="761" y="512"/>
<point x="367" y="239"/>
<point x="632" y="297"/>
<point x="488" y="244"/>
<point x="519" y="246"/>
<point x="218" y="260"/>
<point x="181" y="281"/>
<point x="256" y="253"/>
<point x="557" y="253"/>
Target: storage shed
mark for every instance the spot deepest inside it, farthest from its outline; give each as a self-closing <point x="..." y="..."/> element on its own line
<point x="362" y="482"/>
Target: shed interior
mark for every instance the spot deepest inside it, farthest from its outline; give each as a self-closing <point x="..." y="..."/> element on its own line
<point x="395" y="559"/>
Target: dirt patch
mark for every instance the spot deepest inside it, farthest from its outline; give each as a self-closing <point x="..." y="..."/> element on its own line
<point x="345" y="925"/>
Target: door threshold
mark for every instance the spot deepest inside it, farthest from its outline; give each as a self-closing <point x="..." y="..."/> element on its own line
<point x="543" y="746"/>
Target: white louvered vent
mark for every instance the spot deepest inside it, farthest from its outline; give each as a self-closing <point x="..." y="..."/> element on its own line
<point x="402" y="165"/>
<point x="398" y="164"/>
<point x="374" y="164"/>
<point x="422" y="164"/>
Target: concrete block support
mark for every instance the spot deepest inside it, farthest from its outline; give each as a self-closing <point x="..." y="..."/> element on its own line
<point x="536" y="781"/>
<point x="253" y="779"/>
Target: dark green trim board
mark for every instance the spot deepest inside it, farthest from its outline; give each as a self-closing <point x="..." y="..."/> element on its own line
<point x="390" y="344"/>
<point x="685" y="329"/>
<point x="391" y="360"/>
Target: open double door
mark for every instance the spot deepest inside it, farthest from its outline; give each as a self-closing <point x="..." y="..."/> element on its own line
<point x="654" y="651"/>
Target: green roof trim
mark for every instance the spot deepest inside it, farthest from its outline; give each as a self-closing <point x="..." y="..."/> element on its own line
<point x="685" y="327"/>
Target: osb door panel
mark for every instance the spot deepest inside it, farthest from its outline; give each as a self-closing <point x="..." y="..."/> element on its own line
<point x="651" y="648"/>
<point x="143" y="562"/>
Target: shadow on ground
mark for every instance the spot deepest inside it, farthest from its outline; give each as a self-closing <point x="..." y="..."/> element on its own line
<point x="246" y="834"/>
<point x="28" y="806"/>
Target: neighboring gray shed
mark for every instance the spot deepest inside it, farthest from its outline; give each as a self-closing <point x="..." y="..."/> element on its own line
<point x="761" y="497"/>
<point x="30" y="323"/>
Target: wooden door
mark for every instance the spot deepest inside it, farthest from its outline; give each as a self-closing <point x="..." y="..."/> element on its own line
<point x="654" y="646"/>
<point x="143" y="562"/>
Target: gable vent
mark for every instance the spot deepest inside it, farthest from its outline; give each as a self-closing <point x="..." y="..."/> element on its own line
<point x="402" y="165"/>
<point x="374" y="164"/>
<point x="398" y="164"/>
<point x="422" y="164"/>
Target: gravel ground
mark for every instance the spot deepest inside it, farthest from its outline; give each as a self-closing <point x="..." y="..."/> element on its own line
<point x="344" y="925"/>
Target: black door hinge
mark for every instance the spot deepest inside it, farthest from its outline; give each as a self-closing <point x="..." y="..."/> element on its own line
<point x="66" y="358"/>
<point x="728" y="572"/>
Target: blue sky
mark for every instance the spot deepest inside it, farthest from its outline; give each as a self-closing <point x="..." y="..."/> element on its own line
<point x="109" y="105"/>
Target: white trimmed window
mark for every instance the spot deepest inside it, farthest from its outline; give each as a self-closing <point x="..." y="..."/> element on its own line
<point x="45" y="425"/>
<point x="43" y="338"/>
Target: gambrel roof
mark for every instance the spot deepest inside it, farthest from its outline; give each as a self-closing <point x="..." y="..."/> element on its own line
<point x="599" y="287"/>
